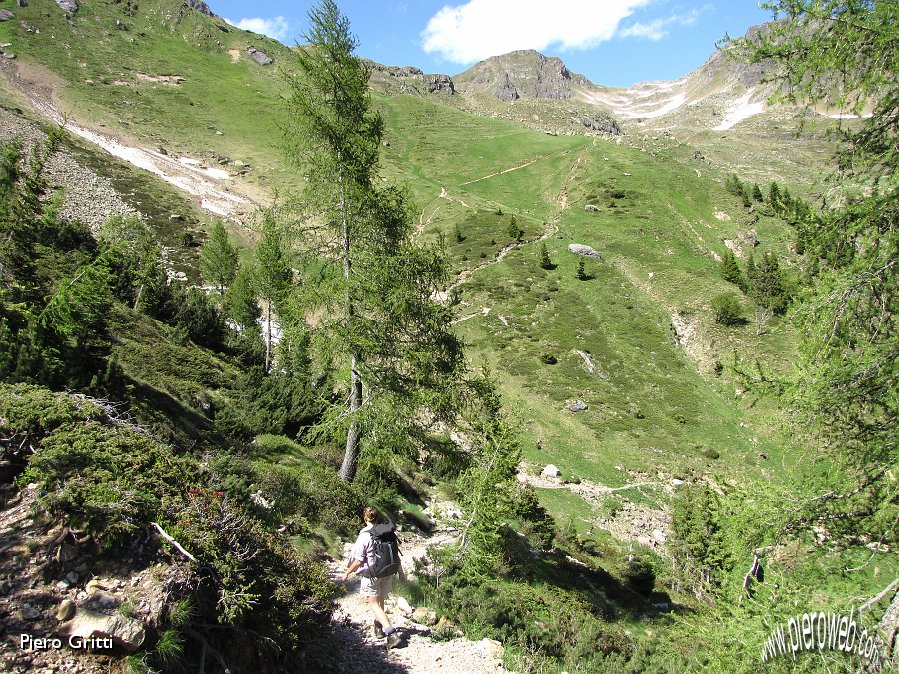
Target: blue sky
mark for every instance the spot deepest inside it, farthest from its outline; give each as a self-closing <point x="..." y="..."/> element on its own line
<point x="612" y="42"/>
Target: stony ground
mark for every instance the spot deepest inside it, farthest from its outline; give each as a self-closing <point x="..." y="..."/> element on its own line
<point x="50" y="584"/>
<point x="95" y="200"/>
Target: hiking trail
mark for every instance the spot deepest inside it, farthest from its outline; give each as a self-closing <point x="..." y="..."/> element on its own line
<point x="356" y="651"/>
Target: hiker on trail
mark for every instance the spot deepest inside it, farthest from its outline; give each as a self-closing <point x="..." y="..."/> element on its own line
<point x="375" y="557"/>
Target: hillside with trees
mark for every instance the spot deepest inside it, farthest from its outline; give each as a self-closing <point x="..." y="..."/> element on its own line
<point x="631" y="412"/>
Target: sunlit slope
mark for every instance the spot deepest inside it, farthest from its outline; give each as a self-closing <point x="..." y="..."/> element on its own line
<point x="654" y="405"/>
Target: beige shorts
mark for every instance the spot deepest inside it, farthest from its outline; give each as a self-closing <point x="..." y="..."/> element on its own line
<point x="376" y="587"/>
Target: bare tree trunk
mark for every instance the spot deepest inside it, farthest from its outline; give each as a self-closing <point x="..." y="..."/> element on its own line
<point x="268" y="336"/>
<point x="351" y="454"/>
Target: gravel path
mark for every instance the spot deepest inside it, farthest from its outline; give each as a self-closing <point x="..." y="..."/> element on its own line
<point x="356" y="651"/>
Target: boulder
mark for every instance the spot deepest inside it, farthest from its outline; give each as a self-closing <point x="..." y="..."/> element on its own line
<point x="22" y="3"/>
<point x="68" y="6"/>
<point x="424" y="616"/>
<point x="551" y="471"/>
<point x="581" y="249"/>
<point x="591" y="208"/>
<point x="125" y="632"/>
<point x="5" y="15"/>
<point x="577" y="406"/>
<point x="404" y="606"/>
<point x="492" y="646"/>
<point x="260" y="57"/>
<point x="750" y="238"/>
<point x="601" y="123"/>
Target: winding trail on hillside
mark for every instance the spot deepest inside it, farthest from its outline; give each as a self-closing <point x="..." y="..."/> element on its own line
<point x="552" y="223"/>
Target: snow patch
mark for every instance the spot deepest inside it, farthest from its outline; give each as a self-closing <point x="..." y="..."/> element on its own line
<point x="670" y="104"/>
<point x="740" y="110"/>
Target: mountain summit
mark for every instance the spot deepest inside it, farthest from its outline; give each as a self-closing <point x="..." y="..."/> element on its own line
<point x="524" y="74"/>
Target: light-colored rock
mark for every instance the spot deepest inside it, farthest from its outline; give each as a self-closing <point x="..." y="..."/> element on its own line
<point x="404" y="606"/>
<point x="581" y="249"/>
<point x="551" y="471"/>
<point x="125" y="632"/>
<point x="66" y="610"/>
<point x="260" y="57"/>
<point x="577" y="406"/>
<point x="492" y="646"/>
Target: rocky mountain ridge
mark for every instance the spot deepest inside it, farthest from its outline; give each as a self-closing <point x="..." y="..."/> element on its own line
<point x="522" y="74"/>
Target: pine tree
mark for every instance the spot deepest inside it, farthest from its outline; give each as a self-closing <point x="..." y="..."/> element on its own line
<point x="219" y="258"/>
<point x="273" y="275"/>
<point x="241" y="304"/>
<point x="581" y="272"/>
<point x="378" y="311"/>
<point x="771" y="291"/>
<point x="730" y="270"/>
<point x="774" y="197"/>
<point x="752" y="275"/>
<point x="845" y="388"/>
<point x="757" y="193"/>
<point x="515" y="232"/>
<point x="545" y="262"/>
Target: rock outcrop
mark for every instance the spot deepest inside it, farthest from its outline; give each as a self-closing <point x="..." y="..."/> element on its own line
<point x="441" y="83"/>
<point x="260" y="57"/>
<point x="581" y="249"/>
<point x="199" y="6"/>
<point x="408" y="79"/>
<point x="602" y="123"/>
<point x="68" y="6"/>
<point x="522" y="74"/>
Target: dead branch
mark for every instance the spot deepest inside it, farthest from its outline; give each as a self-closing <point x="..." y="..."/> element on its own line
<point x="173" y="542"/>
<point x="868" y="604"/>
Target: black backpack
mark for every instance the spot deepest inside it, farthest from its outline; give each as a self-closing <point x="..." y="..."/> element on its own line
<point x="385" y="551"/>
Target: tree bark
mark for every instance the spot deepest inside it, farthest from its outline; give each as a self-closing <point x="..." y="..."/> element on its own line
<point x="268" y="336"/>
<point x="351" y="454"/>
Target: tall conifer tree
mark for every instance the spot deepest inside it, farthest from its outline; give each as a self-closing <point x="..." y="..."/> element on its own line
<point x="377" y="288"/>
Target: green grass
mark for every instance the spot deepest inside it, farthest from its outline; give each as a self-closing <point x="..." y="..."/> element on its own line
<point x="654" y="406"/>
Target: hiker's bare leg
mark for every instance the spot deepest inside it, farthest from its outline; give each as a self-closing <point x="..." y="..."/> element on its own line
<point x="376" y="604"/>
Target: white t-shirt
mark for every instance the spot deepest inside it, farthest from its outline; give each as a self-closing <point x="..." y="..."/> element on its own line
<point x="363" y="550"/>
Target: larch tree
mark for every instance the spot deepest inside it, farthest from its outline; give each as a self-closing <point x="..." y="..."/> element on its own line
<point x="219" y="258"/>
<point x="846" y="54"/>
<point x="273" y="275"/>
<point x="374" y="292"/>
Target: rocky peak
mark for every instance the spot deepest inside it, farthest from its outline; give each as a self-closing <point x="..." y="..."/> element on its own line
<point x="524" y="74"/>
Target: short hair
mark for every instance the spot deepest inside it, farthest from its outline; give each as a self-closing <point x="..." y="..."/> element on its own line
<point x="371" y="515"/>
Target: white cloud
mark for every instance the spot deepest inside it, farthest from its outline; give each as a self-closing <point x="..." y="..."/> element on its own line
<point x="276" y="27"/>
<point x="652" y="30"/>
<point x="655" y="30"/>
<point x="482" y="28"/>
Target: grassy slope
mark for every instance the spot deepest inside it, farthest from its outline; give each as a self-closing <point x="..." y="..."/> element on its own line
<point x="664" y="224"/>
